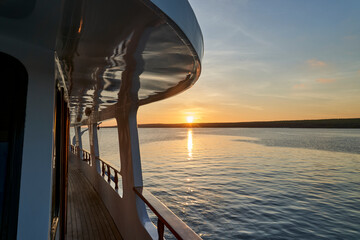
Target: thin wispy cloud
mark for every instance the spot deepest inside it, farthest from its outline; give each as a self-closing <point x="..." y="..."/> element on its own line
<point x="316" y="63"/>
<point x="257" y="108"/>
<point x="325" y="80"/>
<point x="351" y="37"/>
<point x="299" y="86"/>
<point x="240" y="29"/>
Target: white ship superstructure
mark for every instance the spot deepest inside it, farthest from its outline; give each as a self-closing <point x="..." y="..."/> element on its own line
<point x="69" y="64"/>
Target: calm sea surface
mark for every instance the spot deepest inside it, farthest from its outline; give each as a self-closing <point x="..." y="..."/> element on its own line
<point x="246" y="183"/>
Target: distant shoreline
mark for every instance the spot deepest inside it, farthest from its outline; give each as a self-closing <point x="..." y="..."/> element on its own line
<point x="319" y="123"/>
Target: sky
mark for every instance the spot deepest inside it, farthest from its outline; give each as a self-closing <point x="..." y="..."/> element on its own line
<point x="271" y="60"/>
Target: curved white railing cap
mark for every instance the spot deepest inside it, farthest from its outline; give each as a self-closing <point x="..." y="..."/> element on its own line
<point x="182" y="14"/>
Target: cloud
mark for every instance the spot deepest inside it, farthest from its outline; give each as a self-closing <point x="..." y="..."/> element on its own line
<point x="316" y="63"/>
<point x="299" y="86"/>
<point x="325" y="80"/>
<point x="257" y="108"/>
<point x="351" y="37"/>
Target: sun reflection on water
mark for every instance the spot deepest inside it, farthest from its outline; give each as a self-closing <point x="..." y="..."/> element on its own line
<point x="190" y="144"/>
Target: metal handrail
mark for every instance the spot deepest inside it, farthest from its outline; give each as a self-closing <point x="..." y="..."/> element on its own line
<point x="165" y="217"/>
<point x="105" y="166"/>
<point x="86" y="155"/>
<point x="106" y="170"/>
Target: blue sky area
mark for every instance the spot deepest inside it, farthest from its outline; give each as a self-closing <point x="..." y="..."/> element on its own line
<point x="272" y="60"/>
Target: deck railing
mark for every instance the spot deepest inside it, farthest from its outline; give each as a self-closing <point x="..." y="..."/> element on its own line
<point x="74" y="149"/>
<point x="86" y="156"/>
<point x="165" y="216"/>
<point x="109" y="172"/>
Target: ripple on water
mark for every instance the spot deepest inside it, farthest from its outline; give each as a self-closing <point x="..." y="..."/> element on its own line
<point x="256" y="183"/>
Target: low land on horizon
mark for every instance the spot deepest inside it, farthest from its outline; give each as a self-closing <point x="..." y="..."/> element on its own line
<point x="319" y="123"/>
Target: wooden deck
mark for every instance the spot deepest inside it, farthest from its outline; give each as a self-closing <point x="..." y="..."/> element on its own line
<point x="87" y="216"/>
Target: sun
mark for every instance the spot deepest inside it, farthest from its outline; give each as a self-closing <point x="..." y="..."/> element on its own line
<point x="190" y="119"/>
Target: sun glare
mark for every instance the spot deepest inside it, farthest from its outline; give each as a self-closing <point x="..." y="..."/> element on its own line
<point x="190" y="119"/>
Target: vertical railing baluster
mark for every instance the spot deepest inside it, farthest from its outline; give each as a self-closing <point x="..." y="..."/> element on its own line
<point x="116" y="179"/>
<point x="109" y="173"/>
<point x="103" y="169"/>
<point x="160" y="229"/>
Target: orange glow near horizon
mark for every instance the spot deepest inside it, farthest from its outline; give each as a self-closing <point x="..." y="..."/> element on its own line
<point x="229" y="114"/>
<point x="173" y="110"/>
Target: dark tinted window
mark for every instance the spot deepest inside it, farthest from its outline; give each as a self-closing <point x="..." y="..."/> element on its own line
<point x="13" y="91"/>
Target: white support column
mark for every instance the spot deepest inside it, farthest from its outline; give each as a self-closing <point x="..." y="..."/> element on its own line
<point x="78" y="145"/>
<point x="125" y="152"/>
<point x="131" y="167"/>
<point x="94" y="146"/>
<point x="135" y="148"/>
<point x="129" y="149"/>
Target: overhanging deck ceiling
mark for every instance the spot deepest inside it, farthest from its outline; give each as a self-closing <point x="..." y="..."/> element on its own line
<point x="113" y="54"/>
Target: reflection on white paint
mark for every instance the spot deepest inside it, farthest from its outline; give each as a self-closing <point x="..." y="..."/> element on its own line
<point x="190" y="144"/>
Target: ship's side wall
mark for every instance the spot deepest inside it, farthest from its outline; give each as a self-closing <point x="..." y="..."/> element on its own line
<point x="35" y="188"/>
<point x="36" y="169"/>
<point x="28" y="33"/>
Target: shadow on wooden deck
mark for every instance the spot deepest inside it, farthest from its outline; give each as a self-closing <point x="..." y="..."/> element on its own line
<point x="87" y="216"/>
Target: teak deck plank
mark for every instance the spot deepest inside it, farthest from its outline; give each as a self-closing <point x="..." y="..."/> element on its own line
<point x="87" y="216"/>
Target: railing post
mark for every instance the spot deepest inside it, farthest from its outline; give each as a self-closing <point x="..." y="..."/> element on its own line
<point x="109" y="173"/>
<point x="116" y="179"/>
<point x="160" y="229"/>
<point x="165" y="217"/>
<point x="103" y="169"/>
<point x="78" y="141"/>
<point x="94" y="146"/>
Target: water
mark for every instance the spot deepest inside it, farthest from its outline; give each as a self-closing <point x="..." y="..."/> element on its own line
<point x="255" y="183"/>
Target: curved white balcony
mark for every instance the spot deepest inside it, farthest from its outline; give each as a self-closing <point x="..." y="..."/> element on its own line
<point x="114" y="54"/>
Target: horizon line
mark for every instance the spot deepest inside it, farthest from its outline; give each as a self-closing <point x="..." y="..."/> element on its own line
<point x="314" y="122"/>
<point x="256" y="121"/>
